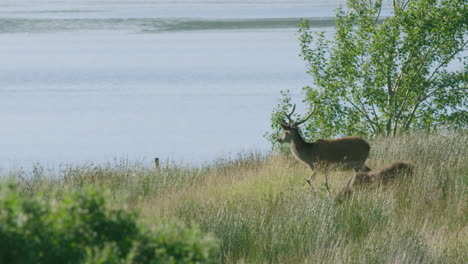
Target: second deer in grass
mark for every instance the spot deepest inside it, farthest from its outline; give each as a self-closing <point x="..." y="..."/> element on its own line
<point x="381" y="176"/>
<point x="324" y="154"/>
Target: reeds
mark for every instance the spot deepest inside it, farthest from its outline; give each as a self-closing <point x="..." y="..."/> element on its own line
<point x="263" y="212"/>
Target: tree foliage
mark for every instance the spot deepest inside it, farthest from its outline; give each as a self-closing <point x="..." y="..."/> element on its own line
<point x="386" y="75"/>
<point x="80" y="228"/>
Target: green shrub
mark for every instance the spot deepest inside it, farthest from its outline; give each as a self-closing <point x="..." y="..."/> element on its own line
<point x="79" y="228"/>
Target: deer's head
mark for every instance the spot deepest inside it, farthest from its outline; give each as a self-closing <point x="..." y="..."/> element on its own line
<point x="291" y="129"/>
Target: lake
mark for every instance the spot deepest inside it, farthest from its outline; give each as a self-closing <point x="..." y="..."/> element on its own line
<point x="187" y="81"/>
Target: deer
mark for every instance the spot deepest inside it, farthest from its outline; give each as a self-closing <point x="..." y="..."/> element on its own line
<point x="324" y="154"/>
<point x="382" y="176"/>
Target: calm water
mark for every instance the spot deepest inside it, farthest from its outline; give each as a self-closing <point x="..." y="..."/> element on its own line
<point x="191" y="81"/>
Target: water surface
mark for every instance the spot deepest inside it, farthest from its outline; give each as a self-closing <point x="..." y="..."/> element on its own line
<point x="91" y="81"/>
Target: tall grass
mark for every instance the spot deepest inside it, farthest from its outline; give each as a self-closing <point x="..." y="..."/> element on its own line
<point x="263" y="212"/>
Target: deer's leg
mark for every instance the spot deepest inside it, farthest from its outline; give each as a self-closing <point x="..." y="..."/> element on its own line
<point x="326" y="181"/>
<point x="347" y="190"/>
<point x="361" y="167"/>
<point x="311" y="178"/>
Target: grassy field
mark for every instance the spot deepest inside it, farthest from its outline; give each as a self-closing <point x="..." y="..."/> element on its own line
<point x="262" y="211"/>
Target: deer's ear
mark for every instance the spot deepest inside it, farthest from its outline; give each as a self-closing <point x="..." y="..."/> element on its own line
<point x="285" y="127"/>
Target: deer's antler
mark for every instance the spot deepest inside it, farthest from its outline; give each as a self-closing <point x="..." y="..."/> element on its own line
<point x="290" y="121"/>
<point x="302" y="121"/>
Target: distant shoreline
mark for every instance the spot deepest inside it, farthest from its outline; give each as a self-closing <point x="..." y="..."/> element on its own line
<point x="151" y="25"/>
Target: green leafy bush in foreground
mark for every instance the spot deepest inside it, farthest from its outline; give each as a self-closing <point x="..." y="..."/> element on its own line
<point x="79" y="228"/>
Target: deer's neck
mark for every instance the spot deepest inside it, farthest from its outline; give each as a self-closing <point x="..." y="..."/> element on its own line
<point x="299" y="147"/>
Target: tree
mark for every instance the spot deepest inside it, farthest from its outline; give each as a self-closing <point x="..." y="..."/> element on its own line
<point x="386" y="75"/>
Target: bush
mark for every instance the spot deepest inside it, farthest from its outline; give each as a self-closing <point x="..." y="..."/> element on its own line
<point x="79" y="228"/>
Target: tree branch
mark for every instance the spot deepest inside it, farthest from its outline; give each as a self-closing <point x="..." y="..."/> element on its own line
<point x="429" y="94"/>
<point x="421" y="98"/>
<point x="403" y="104"/>
<point x="376" y="116"/>
<point x="390" y="101"/>
<point x="378" y="14"/>
<point x="432" y="92"/>
<point x="396" y="87"/>
<point x="362" y="112"/>
<point x="405" y="4"/>
<point x="410" y="118"/>
<point x="448" y="60"/>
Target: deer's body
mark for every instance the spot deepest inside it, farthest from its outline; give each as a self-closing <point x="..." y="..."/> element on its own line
<point x="324" y="154"/>
<point x="382" y="176"/>
<point x="385" y="174"/>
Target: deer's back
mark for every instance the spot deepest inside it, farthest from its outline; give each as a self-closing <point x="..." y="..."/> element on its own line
<point x="385" y="174"/>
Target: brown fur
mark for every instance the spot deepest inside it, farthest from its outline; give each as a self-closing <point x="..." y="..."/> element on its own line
<point x="324" y="154"/>
<point x="382" y="176"/>
<point x="342" y="150"/>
